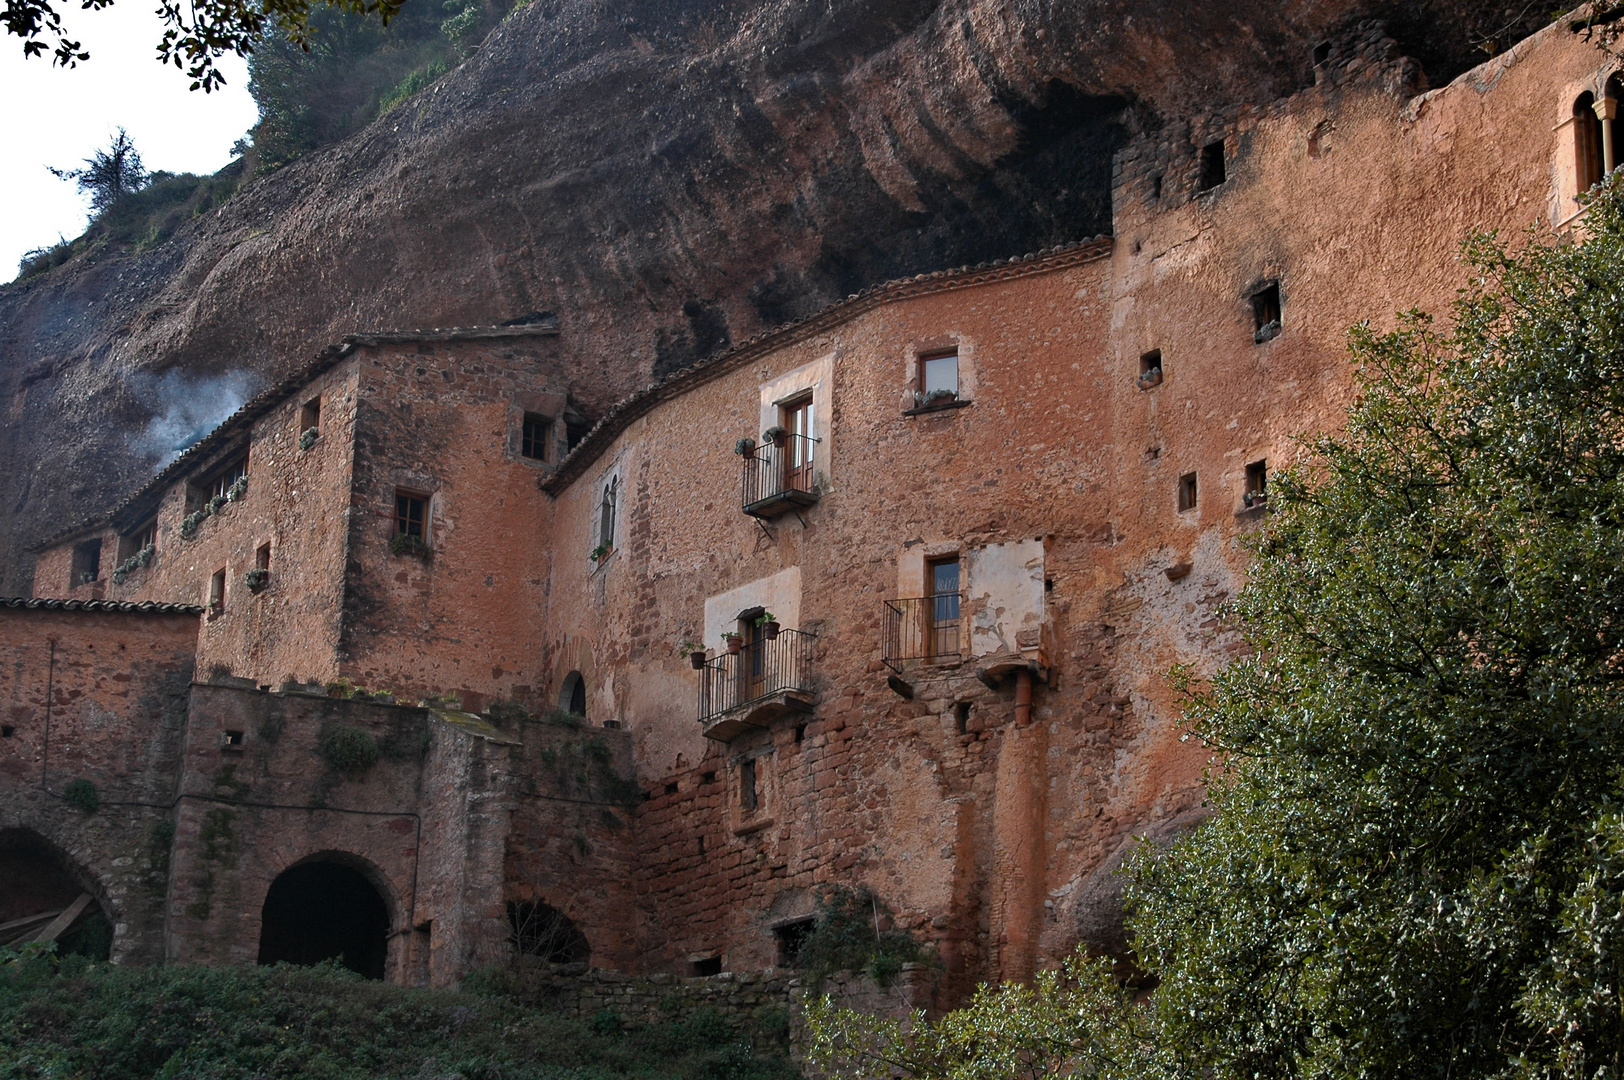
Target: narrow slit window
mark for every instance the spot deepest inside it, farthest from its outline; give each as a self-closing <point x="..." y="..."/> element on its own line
<point x="749" y="798"/>
<point x="310" y="415"/>
<point x="1187" y="492"/>
<point x="1212" y="165"/>
<point x="217" y="592"/>
<point x="606" y="516"/>
<point x="1266" y="312"/>
<point x="536" y="439"/>
<point x="262" y="557"/>
<point x="411" y="515"/>
<point x="1322" y="53"/>
<point x="1156" y="187"/>
<point x="1150" y="369"/>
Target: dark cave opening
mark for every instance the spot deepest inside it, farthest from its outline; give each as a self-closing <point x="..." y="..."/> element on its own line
<point x="320" y="911"/>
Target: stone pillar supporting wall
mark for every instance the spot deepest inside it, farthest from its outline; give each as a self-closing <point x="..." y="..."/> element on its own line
<point x="1019" y="854"/>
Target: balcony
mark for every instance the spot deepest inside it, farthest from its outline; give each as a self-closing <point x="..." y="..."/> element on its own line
<point x="922" y="630"/>
<point x="766" y="679"/>
<point x="778" y="477"/>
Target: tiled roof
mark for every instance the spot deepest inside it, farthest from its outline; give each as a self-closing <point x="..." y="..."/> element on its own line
<point x="145" y="607"/>
<point x="261" y="403"/>
<point x="628" y="409"/>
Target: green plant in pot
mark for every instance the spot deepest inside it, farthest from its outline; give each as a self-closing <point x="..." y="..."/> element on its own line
<point x="694" y="652"/>
<point x="745" y="447"/>
<point x="769" y="625"/>
<point x="775" y="435"/>
<point x="735" y="642"/>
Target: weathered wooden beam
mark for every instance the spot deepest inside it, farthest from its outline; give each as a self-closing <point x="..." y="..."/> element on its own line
<point x="69" y="916"/>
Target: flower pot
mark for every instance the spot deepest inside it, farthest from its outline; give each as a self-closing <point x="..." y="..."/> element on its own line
<point x="697" y="659"/>
<point x="770" y="630"/>
<point x="735" y="645"/>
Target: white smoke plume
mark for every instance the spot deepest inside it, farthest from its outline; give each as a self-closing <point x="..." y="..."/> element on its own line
<point x="186" y="409"/>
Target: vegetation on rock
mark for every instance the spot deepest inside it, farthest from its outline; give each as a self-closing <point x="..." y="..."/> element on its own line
<point x="348" y="749"/>
<point x="1416" y="860"/>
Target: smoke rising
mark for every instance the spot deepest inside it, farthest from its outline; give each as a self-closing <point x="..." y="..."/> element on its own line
<point x="186" y="409"/>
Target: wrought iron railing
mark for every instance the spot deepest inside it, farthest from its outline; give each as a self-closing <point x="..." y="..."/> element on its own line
<point x="774" y="472"/>
<point x="758" y="670"/>
<point x="922" y="629"/>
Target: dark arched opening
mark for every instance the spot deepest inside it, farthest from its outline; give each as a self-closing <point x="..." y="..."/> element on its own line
<point x="325" y="911"/>
<point x="544" y="931"/>
<point x="1587" y="149"/>
<point x="572" y="697"/>
<point x="41" y="898"/>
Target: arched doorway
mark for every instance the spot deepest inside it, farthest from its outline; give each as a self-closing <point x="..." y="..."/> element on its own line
<point x="325" y="910"/>
<point x="43" y="895"/>
<point x="572" y="695"/>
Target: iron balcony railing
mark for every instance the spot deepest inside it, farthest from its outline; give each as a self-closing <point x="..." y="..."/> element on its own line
<point x="759" y="670"/>
<point x="922" y="629"/>
<point x="779" y="477"/>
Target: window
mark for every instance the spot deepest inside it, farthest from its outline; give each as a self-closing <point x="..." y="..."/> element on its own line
<point x="222" y="481"/>
<point x="749" y="800"/>
<point x="1257" y="484"/>
<point x="1322" y="53"/>
<point x="939" y="376"/>
<point x="1266" y="312"/>
<point x="86" y="562"/>
<point x="1595" y="136"/>
<point x="706" y="966"/>
<point x="1187" y="492"/>
<point x="1156" y="186"/>
<point x="536" y="440"/>
<point x="262" y="557"/>
<point x="411" y="514"/>
<point x="1212" y="166"/>
<point x="790" y="938"/>
<point x="942" y="607"/>
<point x="574" y="432"/>
<point x="138" y="540"/>
<point x="961" y="717"/>
<point x="231" y="740"/>
<point x="217" y="592"/>
<point x="310" y="415"/>
<point x="606" y="517"/>
<point x="796" y="418"/>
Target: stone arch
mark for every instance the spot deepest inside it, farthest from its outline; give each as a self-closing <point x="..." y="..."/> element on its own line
<point x="572" y="696"/>
<point x="331" y="905"/>
<point x="543" y="931"/>
<point x="39" y="879"/>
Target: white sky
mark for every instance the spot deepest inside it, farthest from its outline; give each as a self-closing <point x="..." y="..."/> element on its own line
<point x="52" y="116"/>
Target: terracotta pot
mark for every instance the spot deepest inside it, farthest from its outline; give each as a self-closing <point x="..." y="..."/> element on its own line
<point x="735" y="645"/>
<point x="697" y="659"/>
<point x="770" y="629"/>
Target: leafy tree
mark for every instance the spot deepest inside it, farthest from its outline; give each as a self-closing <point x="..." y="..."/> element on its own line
<point x="109" y="175"/>
<point x="196" y="34"/>
<point x="1416" y="862"/>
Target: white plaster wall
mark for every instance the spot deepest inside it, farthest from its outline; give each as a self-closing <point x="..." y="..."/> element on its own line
<point x="779" y="594"/>
<point x="818" y="377"/>
<point x="1004" y="592"/>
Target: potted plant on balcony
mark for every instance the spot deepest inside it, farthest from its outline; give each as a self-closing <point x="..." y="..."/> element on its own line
<point x="769" y="625"/>
<point x="776" y="435"/>
<point x="735" y="642"/>
<point x="599" y="552"/>
<point x="745" y="447"/>
<point x="695" y="653"/>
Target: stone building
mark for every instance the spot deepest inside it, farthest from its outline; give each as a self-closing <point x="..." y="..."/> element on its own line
<point x="937" y="546"/>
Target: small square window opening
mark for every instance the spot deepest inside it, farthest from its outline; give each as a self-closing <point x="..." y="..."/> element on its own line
<point x="1150" y="369"/>
<point x="411" y="514"/>
<point x="1266" y="312"/>
<point x="791" y="938"/>
<point x="710" y="965"/>
<point x="7" y="731"/>
<point x="707" y="778"/>
<point x="262" y="557"/>
<point x="1212" y="166"/>
<point x="231" y="740"/>
<point x="1187" y="492"/>
<point x="536" y="439"/>
<point x="961" y="717"/>
<point x="1322" y="53"/>
<point x="671" y="788"/>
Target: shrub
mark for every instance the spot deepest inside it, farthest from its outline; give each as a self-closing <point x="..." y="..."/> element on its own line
<point x="256" y="578"/>
<point x="189" y="524"/>
<point x="348" y="749"/>
<point x="408" y="544"/>
<point x="847" y="937"/>
<point x="563" y="718"/>
<point x="81" y="794"/>
<point x="308" y="438"/>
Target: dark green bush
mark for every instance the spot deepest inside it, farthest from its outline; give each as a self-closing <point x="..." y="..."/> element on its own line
<point x="348" y="749"/>
<point x="847" y="937"/>
<point x="71" y="1018"/>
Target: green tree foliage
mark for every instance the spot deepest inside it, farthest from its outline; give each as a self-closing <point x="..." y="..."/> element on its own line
<point x="351" y="70"/>
<point x="1416" y="862"/>
<point x="109" y="175"/>
<point x="196" y="32"/>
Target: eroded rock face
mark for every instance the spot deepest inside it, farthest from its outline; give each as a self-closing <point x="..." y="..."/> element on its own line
<point x="667" y="178"/>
